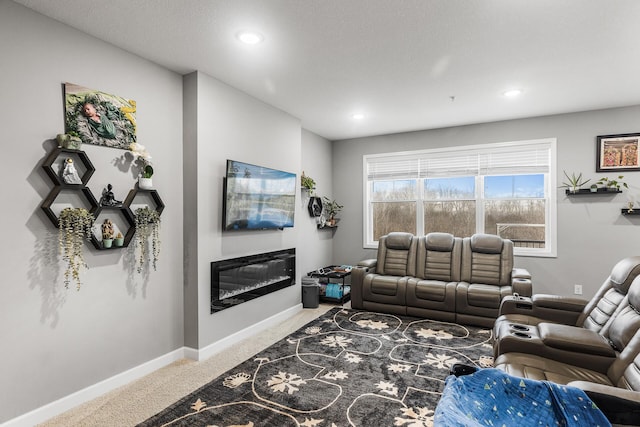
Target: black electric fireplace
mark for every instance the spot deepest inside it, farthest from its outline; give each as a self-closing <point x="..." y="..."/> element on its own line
<point x="237" y="280"/>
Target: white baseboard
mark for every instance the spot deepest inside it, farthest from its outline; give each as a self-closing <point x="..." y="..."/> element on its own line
<point x="218" y="346"/>
<point x="66" y="403"/>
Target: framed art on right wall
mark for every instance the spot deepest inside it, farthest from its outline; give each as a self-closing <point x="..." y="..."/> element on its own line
<point x="618" y="152"/>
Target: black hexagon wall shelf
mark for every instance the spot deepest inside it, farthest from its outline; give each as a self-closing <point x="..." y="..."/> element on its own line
<point x="59" y="191"/>
<point x="123" y="212"/>
<point x="58" y="153"/>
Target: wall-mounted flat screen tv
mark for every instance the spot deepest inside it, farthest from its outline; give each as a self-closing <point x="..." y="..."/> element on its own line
<point x="258" y="198"/>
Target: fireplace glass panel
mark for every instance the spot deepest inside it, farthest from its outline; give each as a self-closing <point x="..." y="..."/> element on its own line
<point x="238" y="280"/>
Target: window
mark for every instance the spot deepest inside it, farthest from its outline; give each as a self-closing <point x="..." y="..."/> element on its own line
<point x="505" y="189"/>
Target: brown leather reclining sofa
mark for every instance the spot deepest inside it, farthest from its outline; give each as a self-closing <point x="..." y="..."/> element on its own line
<point x="592" y="345"/>
<point x="439" y="276"/>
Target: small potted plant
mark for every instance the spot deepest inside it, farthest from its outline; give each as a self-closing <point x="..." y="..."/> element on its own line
<point x="69" y="140"/>
<point x="119" y="240"/>
<point x="613" y="184"/>
<point x="573" y="182"/>
<point x="107" y="233"/>
<point x="143" y="160"/>
<point x="594" y="188"/>
<point x="332" y="208"/>
<point x="307" y="183"/>
<point x="144" y="180"/>
<point x="75" y="226"/>
<point x="147" y="222"/>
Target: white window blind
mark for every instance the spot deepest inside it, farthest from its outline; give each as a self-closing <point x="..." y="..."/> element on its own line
<point x="492" y="159"/>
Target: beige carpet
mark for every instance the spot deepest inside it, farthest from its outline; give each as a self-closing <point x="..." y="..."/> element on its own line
<point x="139" y="400"/>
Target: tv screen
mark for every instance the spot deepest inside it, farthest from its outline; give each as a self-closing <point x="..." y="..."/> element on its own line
<point x="258" y="198"/>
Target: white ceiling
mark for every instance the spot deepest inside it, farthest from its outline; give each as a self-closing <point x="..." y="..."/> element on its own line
<point x="397" y="61"/>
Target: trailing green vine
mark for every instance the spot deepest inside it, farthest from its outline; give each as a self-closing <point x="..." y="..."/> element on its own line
<point x="147" y="226"/>
<point x="75" y="227"/>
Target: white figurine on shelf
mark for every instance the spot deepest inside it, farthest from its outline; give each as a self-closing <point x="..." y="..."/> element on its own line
<point x="70" y="175"/>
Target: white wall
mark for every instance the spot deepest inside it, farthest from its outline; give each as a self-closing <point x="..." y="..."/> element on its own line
<point x="592" y="235"/>
<point x="57" y="341"/>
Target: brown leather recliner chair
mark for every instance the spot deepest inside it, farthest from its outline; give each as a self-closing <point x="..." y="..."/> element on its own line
<point x="432" y="293"/>
<point x="591" y="314"/>
<point x="488" y="276"/>
<point x="574" y="345"/>
<point x="529" y="327"/>
<point x="621" y="378"/>
<point x="385" y="290"/>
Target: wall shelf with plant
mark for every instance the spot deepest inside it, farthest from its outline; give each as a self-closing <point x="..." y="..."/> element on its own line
<point x="147" y="221"/>
<point x="75" y="227"/>
<point x="123" y="225"/>
<point x="332" y="208"/>
<point x="588" y="192"/>
<point x="613" y="184"/>
<point x="108" y="224"/>
<point x="307" y="183"/>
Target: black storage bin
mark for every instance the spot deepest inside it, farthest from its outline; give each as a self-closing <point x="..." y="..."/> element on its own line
<point x="310" y="292"/>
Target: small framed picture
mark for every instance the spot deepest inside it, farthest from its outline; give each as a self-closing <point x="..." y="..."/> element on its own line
<point x="617" y="152"/>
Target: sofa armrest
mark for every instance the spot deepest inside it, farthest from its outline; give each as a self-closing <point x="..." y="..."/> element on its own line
<point x="369" y="264"/>
<point x="358" y="273"/>
<point x="520" y="273"/>
<point x="575" y="339"/>
<point x="558" y="309"/>
<point x="596" y="388"/>
<point x="620" y="406"/>
<point x="521" y="282"/>
<point x="522" y="287"/>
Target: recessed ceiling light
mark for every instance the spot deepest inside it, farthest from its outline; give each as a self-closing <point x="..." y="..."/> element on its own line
<point x="357" y="116"/>
<point x="250" y="37"/>
<point x="512" y="92"/>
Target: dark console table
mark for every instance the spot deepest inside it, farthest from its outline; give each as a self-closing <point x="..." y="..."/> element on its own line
<point x="332" y="272"/>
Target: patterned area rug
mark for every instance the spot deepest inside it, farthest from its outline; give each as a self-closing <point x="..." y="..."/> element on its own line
<point x="346" y="368"/>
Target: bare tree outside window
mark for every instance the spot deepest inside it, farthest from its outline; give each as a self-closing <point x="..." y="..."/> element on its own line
<point x="506" y="189"/>
<point x="393" y="206"/>
<point x="457" y="217"/>
<point x="396" y="216"/>
<point x="521" y="221"/>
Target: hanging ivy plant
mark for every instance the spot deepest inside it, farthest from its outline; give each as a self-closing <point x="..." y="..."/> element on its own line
<point x="147" y="226"/>
<point x="75" y="227"/>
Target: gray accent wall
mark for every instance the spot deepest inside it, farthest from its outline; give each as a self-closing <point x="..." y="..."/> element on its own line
<point x="315" y="247"/>
<point x="230" y="125"/>
<point x="56" y="341"/>
<point x="592" y="234"/>
<point x="61" y="344"/>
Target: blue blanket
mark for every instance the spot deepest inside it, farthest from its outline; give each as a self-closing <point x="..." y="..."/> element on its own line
<point x="490" y="397"/>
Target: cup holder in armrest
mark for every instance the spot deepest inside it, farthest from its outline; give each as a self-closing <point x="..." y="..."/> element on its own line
<point x="519" y="327"/>
<point x="521" y="335"/>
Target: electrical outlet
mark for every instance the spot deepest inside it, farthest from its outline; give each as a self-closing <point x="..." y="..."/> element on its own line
<point x="577" y="289"/>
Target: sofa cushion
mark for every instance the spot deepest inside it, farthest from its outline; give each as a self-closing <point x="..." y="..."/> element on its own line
<point x="384" y="285"/>
<point x="624" y="272"/>
<point x="398" y="240"/>
<point x="486" y="243"/>
<point x="441" y="242"/>
<point x="396" y="262"/>
<point x="432" y="290"/>
<point x="487" y="296"/>
<point x="539" y="368"/>
<point x="626" y="323"/>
